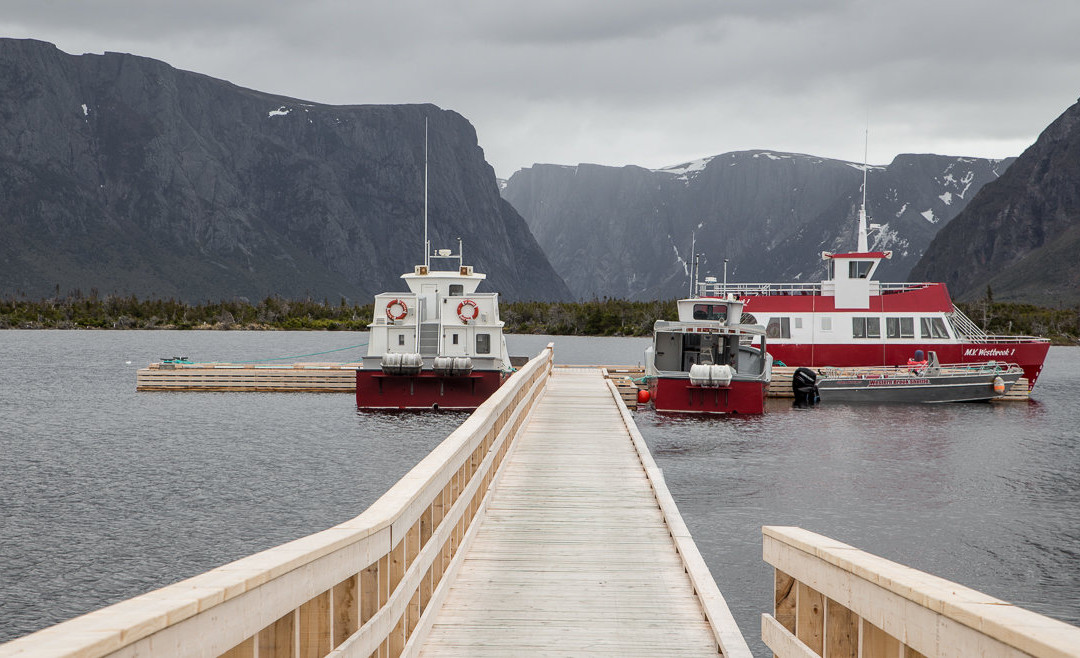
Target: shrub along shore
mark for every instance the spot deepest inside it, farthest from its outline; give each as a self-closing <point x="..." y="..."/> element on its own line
<point x="606" y="317"/>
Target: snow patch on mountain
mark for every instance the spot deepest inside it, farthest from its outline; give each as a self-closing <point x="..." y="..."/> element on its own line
<point x="946" y="198"/>
<point x="280" y="112"/>
<point x="686" y="170"/>
<point x="928" y="215"/>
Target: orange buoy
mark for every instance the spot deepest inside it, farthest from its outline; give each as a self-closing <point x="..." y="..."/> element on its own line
<point x="643" y="396"/>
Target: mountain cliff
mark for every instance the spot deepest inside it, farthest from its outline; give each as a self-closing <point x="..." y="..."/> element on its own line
<point x="123" y="174"/>
<point x="627" y="232"/>
<point x="1020" y="235"/>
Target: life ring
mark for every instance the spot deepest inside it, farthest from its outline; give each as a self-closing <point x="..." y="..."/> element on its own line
<point x="396" y="302"/>
<point x="463" y="313"/>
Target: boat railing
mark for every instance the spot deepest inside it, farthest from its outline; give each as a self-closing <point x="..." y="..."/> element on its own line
<point x="717" y="289"/>
<point x="902" y="371"/>
<point x="966" y="329"/>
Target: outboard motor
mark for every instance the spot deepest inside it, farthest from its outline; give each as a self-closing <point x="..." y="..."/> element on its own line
<point x="804" y="386"/>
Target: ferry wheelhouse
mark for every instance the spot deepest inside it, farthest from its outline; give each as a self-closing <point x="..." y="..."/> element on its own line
<point x="439" y="346"/>
<point x="850" y="319"/>
<point x="704" y="362"/>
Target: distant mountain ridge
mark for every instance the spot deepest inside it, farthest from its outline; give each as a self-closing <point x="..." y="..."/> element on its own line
<point x="627" y="231"/>
<point x="1020" y="235"/>
<point x="124" y="174"/>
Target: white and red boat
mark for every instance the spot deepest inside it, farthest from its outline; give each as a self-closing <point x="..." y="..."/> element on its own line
<point x="850" y="319"/>
<point x="438" y="346"/>
<point x="704" y="362"/>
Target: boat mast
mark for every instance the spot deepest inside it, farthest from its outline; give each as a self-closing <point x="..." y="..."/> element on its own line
<point x="427" y="245"/>
<point x="693" y="261"/>
<point x="862" y="246"/>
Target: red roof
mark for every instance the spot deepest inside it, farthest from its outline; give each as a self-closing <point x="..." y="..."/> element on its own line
<point x="864" y="254"/>
<point x="933" y="298"/>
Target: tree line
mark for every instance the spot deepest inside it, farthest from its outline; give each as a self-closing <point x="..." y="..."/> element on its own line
<point x="598" y="317"/>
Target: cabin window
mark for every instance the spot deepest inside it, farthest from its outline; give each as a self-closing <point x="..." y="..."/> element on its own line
<point x="798" y="323"/>
<point x="401" y="339"/>
<point x="831" y="269"/>
<point x="900" y="327"/>
<point x="710" y="312"/>
<point x="456" y="290"/>
<point x="933" y="328"/>
<point x="859" y="269"/>
<point x="778" y="328"/>
<point x="483" y="343"/>
<point x="826" y="323"/>
<point x="454" y="339"/>
<point x="866" y="327"/>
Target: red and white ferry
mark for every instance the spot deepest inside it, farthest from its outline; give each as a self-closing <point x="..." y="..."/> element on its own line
<point x="438" y="346"/>
<point x="849" y="319"/>
<point x="704" y="363"/>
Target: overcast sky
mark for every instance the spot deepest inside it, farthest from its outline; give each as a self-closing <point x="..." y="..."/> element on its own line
<point x="634" y="81"/>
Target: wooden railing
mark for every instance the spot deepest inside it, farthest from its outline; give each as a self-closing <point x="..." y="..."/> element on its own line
<point x="730" y="642"/>
<point x="833" y="600"/>
<point x="360" y="588"/>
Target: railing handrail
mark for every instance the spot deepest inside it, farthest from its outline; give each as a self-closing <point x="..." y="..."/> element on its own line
<point x="928" y="614"/>
<point x="348" y="548"/>
<point x="729" y="639"/>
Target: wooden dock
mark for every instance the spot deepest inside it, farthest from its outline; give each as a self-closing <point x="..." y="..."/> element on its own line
<point x="239" y="377"/>
<point x="574" y="551"/>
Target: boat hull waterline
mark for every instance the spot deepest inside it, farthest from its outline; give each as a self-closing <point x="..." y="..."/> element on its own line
<point x="427" y="390"/>
<point x="678" y="394"/>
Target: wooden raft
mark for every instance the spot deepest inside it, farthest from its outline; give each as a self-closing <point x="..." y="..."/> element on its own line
<point x="574" y="554"/>
<point x="291" y="378"/>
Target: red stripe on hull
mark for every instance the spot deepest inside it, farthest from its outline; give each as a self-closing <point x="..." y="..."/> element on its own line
<point x="678" y="394"/>
<point x="374" y="390"/>
<point x="1029" y="356"/>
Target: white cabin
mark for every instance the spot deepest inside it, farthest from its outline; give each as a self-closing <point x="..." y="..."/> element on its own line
<point x="442" y="315"/>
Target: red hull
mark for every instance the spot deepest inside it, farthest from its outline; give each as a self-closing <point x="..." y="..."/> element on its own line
<point x="678" y="394"/>
<point x="1028" y="355"/>
<point x="374" y="390"/>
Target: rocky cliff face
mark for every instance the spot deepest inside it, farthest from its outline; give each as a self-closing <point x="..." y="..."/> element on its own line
<point x="626" y="232"/>
<point x="123" y="174"/>
<point x="1021" y="234"/>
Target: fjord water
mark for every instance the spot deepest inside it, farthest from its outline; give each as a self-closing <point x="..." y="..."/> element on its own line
<point x="106" y="493"/>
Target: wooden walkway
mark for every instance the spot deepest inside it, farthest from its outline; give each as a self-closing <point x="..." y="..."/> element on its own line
<point x="572" y="555"/>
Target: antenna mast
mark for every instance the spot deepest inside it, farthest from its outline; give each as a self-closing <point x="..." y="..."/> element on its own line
<point x="693" y="260"/>
<point x="862" y="246"/>
<point x="427" y="245"/>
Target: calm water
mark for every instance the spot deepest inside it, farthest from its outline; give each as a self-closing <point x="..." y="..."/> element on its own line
<point x="106" y="493"/>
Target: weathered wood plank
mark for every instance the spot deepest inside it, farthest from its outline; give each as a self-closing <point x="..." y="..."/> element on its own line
<point x="572" y="553"/>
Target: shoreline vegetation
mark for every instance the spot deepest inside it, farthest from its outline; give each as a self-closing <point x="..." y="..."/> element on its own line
<point x="603" y="317"/>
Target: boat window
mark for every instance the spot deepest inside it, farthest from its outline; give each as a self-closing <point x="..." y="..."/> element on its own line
<point x="483" y="343"/>
<point x="859" y="269"/>
<point x="866" y="327"/>
<point x="933" y="328"/>
<point x="710" y="312"/>
<point x="453" y="338"/>
<point x="401" y="339"/>
<point x="826" y="323"/>
<point x="778" y="328"/>
<point x="798" y="323"/>
<point x="831" y="267"/>
<point x="900" y="327"/>
<point x="456" y="290"/>
<point x="747" y="318"/>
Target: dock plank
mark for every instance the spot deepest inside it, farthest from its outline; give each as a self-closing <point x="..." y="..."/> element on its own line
<point x="573" y="555"/>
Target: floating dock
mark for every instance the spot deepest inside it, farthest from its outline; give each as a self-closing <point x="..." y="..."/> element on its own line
<point x="341" y="378"/>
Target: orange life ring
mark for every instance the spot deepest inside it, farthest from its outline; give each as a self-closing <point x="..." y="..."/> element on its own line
<point x="461" y="313"/>
<point x="396" y="302"/>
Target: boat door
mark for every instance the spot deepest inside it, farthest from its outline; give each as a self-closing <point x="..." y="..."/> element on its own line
<point x="431" y="307"/>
